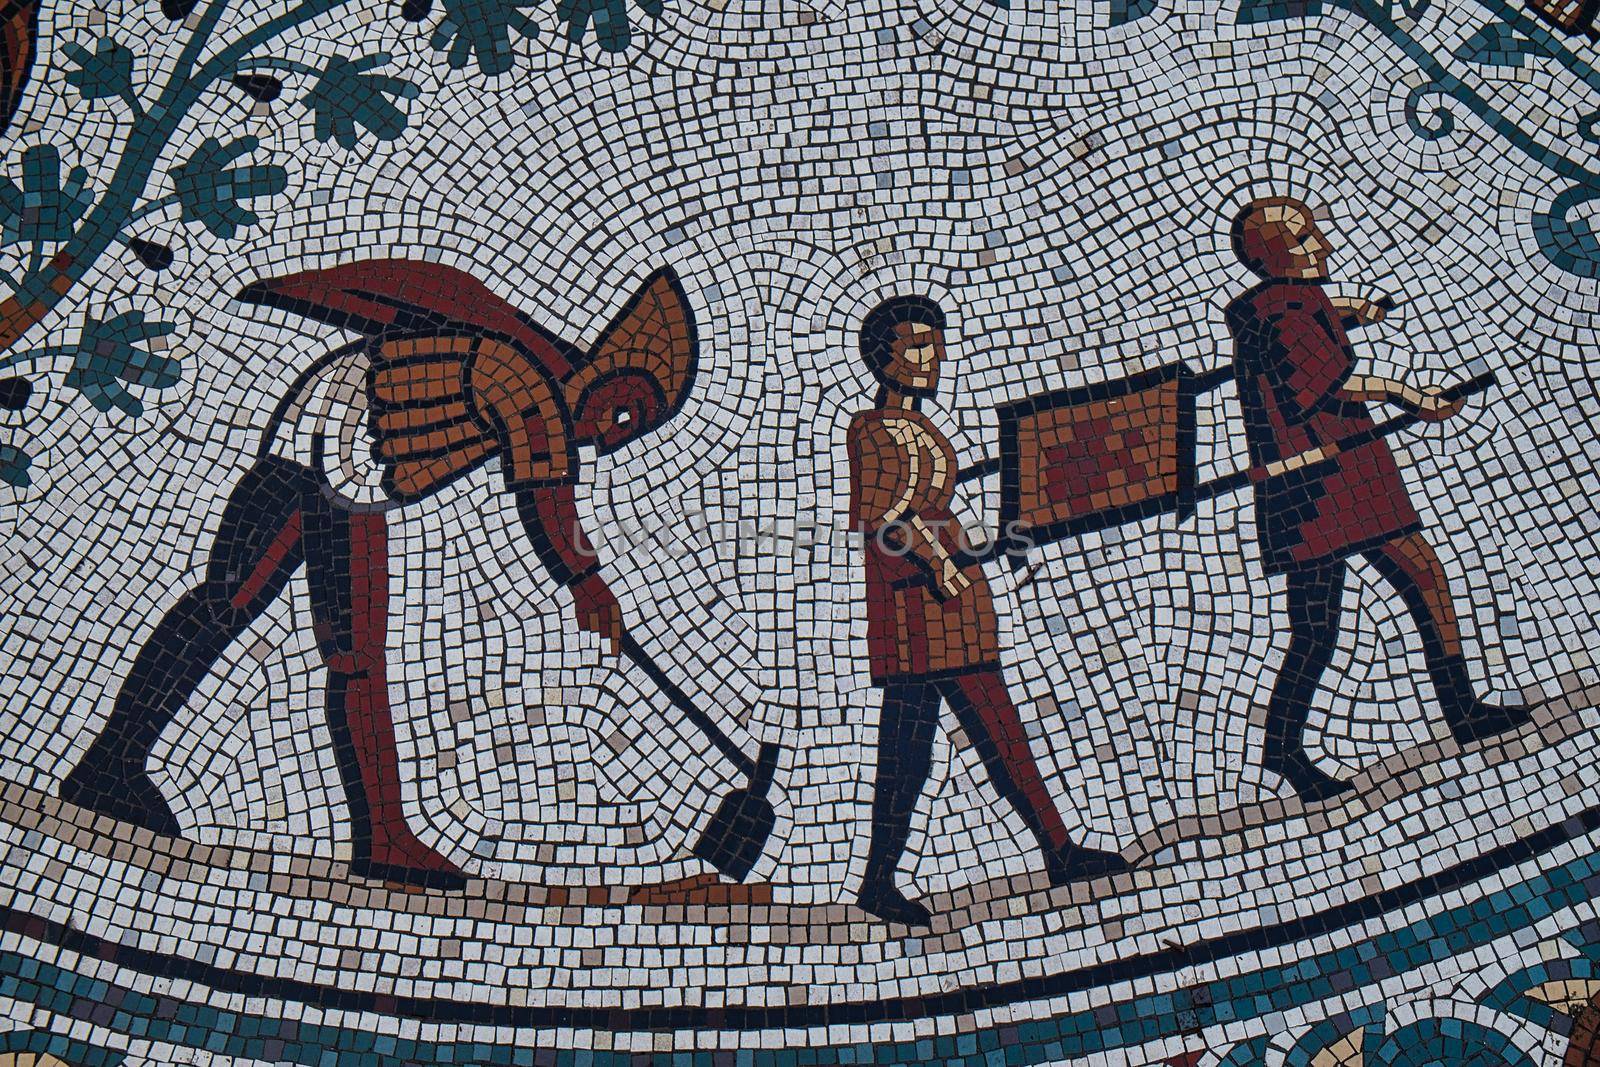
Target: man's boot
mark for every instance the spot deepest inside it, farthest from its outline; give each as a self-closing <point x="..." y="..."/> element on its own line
<point x="256" y="550"/>
<point x="880" y="896"/>
<point x="111" y="778"/>
<point x="1469" y="718"/>
<point x="1309" y="782"/>
<point x="1073" y="862"/>
<point x="883" y="898"/>
<point x="892" y="802"/>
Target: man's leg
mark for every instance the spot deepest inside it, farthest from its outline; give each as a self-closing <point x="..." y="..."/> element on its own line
<point x="1315" y="593"/>
<point x="256" y="550"/>
<point x="348" y="572"/>
<point x="1411" y="566"/>
<point x="905" y="759"/>
<point x="983" y="704"/>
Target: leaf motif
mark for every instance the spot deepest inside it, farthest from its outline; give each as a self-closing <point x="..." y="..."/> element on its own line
<point x="108" y="353"/>
<point x="45" y="209"/>
<point x="1252" y="12"/>
<point x="347" y="95"/>
<point x="608" y="17"/>
<point x="1125" y="11"/>
<point x="210" y="191"/>
<point x="105" y="72"/>
<point x="1258" y="11"/>
<point x="482" y="28"/>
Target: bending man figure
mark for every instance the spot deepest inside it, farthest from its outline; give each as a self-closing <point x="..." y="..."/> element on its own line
<point x="446" y="377"/>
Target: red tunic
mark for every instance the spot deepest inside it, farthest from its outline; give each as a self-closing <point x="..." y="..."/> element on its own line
<point x="911" y="632"/>
<point x="1292" y="358"/>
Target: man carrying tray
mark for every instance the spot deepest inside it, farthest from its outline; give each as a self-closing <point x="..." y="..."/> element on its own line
<point x="932" y="632"/>
<point x="1294" y="368"/>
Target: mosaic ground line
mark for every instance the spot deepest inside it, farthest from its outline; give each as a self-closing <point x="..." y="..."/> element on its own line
<point x="1571" y="884"/>
<point x="317" y="878"/>
<point x="940" y="953"/>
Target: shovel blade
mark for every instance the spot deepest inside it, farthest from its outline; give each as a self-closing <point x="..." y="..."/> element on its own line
<point x="732" y="841"/>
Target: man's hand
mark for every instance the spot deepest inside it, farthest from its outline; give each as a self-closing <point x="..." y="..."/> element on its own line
<point x="597" y="610"/>
<point x="1434" y="408"/>
<point x="1359" y="311"/>
<point x="952" y="583"/>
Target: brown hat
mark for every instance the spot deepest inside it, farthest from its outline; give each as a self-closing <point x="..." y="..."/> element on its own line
<point x="651" y="342"/>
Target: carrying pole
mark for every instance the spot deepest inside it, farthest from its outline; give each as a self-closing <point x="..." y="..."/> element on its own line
<point x="1317" y="461"/>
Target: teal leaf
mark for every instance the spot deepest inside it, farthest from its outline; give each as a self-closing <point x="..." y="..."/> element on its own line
<point x="109" y="353"/>
<point x="14" y="464"/>
<point x="482" y="28"/>
<point x="1499" y="45"/>
<point x="210" y="190"/>
<point x="347" y="95"/>
<point x="103" y="73"/>
<point x="45" y="209"/>
<point x="1255" y="11"/>
<point x="609" y="19"/>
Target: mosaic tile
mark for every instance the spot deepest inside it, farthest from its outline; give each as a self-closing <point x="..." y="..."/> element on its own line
<point x="715" y="532"/>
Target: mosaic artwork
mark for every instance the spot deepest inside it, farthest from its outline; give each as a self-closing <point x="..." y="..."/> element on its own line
<point x="750" y="533"/>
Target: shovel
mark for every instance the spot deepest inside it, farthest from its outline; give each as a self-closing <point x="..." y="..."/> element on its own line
<point x="732" y="841"/>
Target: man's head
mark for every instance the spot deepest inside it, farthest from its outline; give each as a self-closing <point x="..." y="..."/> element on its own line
<point x="639" y="372"/>
<point x="1277" y="238"/>
<point x="902" y="341"/>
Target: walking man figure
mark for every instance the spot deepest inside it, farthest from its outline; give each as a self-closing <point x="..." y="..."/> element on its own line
<point x="932" y="632"/>
<point x="1295" y="371"/>
<point x="447" y="376"/>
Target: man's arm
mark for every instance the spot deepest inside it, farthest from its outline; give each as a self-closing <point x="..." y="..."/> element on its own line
<point x="549" y="516"/>
<point x="516" y="401"/>
<point x="1425" y="403"/>
<point x="1372" y="389"/>
<point x="910" y="533"/>
<point x="1357" y="311"/>
<point x="1314" y="366"/>
<point x="897" y="467"/>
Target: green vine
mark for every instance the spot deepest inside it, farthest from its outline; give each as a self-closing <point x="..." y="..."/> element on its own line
<point x="65" y="226"/>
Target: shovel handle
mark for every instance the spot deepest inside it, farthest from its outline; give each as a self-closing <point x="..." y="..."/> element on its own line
<point x="690" y="710"/>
